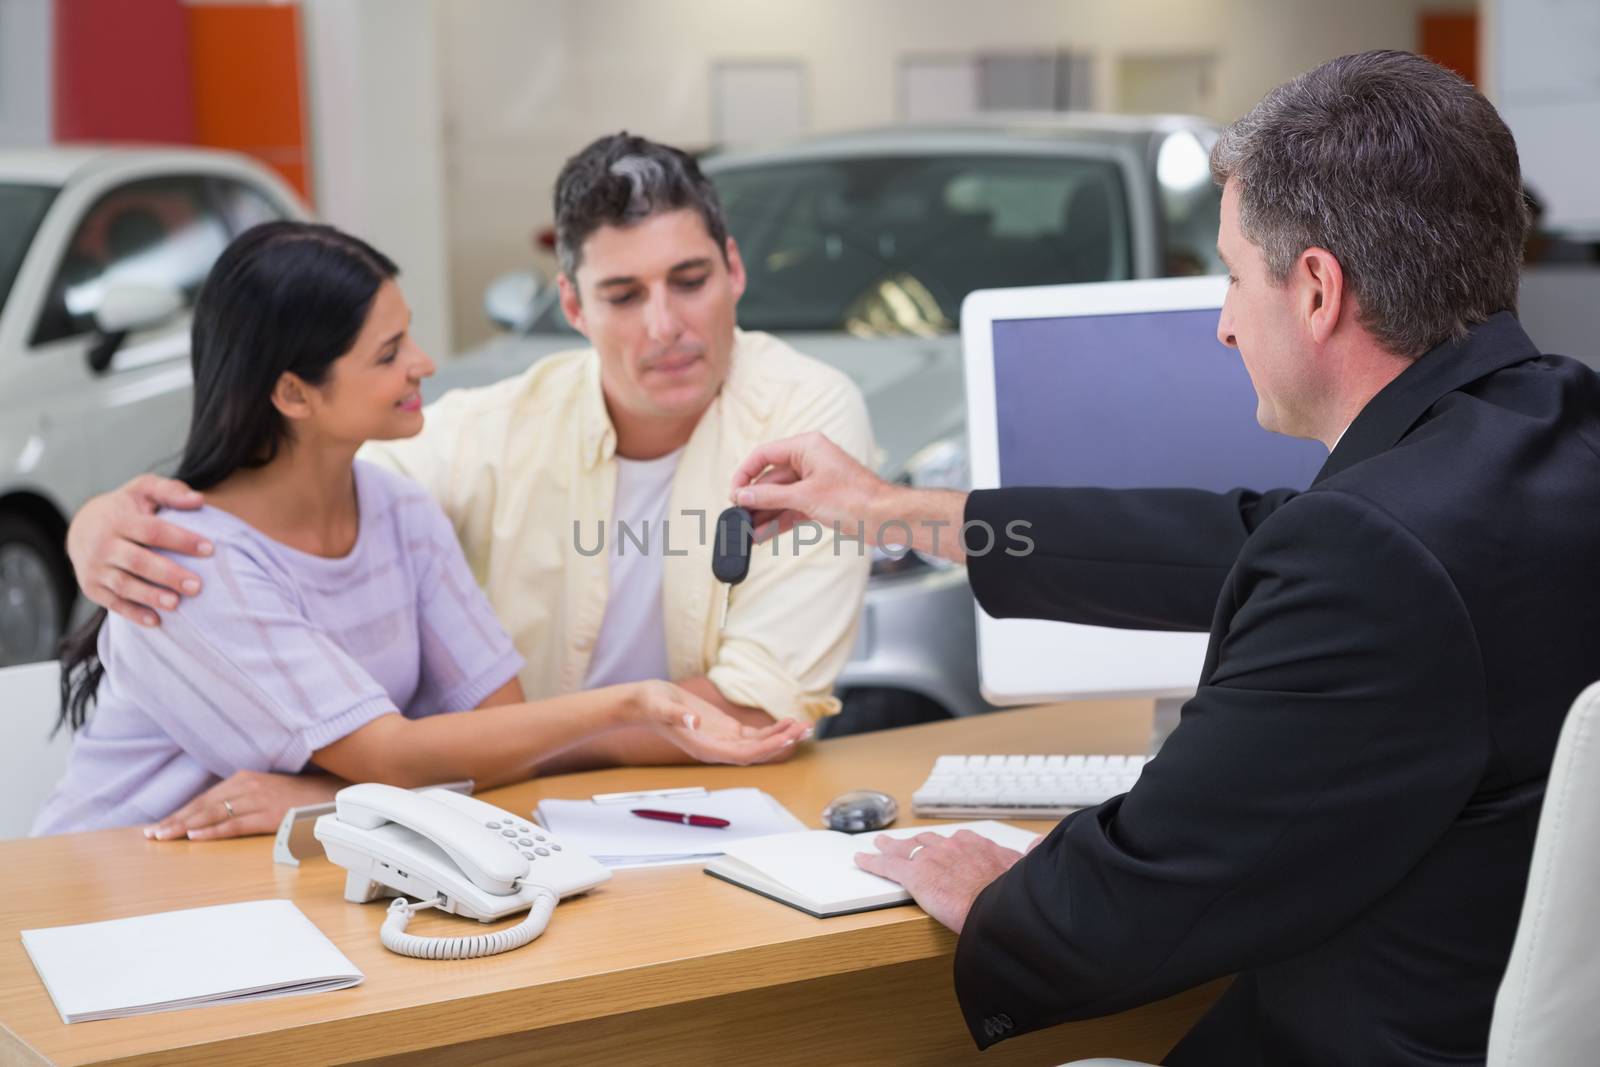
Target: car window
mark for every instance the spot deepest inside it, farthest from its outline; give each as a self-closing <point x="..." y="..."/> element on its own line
<point x="891" y="245"/>
<point x="1191" y="204"/>
<point x="244" y="206"/>
<point x="21" y="209"/>
<point x="158" y="231"/>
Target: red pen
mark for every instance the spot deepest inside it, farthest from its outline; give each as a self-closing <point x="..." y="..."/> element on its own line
<point x="710" y="821"/>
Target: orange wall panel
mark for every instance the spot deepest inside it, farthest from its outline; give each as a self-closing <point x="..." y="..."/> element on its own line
<point x="249" y="85"/>
<point x="1450" y="39"/>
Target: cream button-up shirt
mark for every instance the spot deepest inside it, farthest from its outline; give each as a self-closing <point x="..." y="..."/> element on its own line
<point x="526" y="471"/>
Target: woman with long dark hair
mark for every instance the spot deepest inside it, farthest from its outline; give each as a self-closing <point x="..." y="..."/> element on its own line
<point x="338" y="618"/>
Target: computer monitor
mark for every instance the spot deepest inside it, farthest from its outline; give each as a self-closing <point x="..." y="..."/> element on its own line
<point x="1115" y="385"/>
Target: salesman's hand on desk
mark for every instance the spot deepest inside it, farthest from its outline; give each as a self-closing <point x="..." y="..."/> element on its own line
<point x="945" y="874"/>
<point x="246" y="802"/>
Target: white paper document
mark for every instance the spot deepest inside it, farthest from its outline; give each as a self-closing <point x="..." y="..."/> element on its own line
<point x="616" y="837"/>
<point x="180" y="959"/>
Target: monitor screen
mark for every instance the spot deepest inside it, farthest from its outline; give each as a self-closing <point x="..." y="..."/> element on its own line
<point x="1119" y="385"/>
<point x="1141" y="400"/>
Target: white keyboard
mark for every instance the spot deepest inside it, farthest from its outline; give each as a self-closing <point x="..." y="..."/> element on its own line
<point x="1023" y="786"/>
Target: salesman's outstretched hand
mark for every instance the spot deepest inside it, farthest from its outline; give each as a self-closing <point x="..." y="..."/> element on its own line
<point x="944" y="874"/>
<point x="804" y="478"/>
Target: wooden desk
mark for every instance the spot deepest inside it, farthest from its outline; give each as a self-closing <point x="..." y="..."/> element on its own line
<point x="657" y="966"/>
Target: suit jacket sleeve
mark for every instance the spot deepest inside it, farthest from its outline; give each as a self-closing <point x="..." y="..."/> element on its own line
<point x="1152" y="559"/>
<point x="1338" y="731"/>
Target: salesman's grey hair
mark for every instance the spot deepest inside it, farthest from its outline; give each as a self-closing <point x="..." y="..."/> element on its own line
<point x="1405" y="173"/>
<point x="620" y="180"/>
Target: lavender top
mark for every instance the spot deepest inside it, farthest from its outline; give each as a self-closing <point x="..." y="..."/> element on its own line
<point x="281" y="654"/>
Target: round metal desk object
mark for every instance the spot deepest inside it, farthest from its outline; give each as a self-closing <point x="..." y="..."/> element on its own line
<point x="860" y="810"/>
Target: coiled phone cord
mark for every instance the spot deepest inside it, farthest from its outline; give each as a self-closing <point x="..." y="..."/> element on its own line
<point x="395" y="938"/>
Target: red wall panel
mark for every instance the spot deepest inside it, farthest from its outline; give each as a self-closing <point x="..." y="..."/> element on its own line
<point x="122" y="71"/>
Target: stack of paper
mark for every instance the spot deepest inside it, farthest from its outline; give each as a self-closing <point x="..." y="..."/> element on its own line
<point x="612" y="834"/>
<point x="180" y="959"/>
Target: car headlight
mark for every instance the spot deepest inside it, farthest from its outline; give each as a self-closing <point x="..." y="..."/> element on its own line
<point x="896" y="561"/>
<point x="940" y="465"/>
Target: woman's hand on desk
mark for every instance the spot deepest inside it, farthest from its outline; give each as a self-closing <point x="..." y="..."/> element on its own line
<point x="708" y="733"/>
<point x="246" y="802"/>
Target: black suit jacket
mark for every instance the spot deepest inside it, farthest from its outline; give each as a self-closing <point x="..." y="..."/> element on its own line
<point x="1345" y="814"/>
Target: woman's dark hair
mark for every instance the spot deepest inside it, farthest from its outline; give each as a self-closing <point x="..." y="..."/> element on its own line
<point x="283" y="297"/>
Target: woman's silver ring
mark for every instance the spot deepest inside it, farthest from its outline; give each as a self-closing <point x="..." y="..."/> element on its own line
<point x="227" y="806"/>
<point x="913" y="853"/>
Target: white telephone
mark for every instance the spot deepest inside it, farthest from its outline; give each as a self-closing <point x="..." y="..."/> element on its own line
<point x="454" y="853"/>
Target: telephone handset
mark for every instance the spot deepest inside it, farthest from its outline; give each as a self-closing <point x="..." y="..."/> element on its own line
<point x="451" y="852"/>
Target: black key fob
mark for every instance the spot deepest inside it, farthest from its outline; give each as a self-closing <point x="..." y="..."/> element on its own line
<point x="730" y="551"/>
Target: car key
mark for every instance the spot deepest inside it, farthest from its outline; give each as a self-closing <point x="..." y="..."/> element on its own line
<point x="730" y="553"/>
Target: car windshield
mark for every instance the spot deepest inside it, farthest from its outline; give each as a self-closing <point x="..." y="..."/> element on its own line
<point x="890" y="245"/>
<point x="21" y="208"/>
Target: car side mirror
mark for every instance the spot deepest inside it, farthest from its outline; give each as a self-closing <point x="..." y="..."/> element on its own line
<point x="511" y="300"/>
<point x="128" y="307"/>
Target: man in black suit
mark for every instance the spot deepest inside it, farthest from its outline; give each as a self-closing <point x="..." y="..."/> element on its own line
<point x="1345" y="814"/>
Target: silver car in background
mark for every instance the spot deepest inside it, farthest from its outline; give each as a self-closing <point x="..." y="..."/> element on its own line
<point x="860" y="248"/>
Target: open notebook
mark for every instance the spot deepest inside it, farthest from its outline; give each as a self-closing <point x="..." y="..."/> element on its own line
<point x="815" y="870"/>
<point x="181" y="959"/>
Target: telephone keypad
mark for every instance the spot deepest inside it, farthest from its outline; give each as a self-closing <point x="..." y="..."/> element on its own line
<point x="521" y="839"/>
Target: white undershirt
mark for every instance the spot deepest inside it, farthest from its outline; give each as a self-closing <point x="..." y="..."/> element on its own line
<point x="632" y="643"/>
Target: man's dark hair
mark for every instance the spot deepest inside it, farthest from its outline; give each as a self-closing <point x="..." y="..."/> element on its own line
<point x="1405" y="173"/>
<point x="621" y="179"/>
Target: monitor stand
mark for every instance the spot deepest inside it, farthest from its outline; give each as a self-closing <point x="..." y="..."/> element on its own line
<point x="1165" y="721"/>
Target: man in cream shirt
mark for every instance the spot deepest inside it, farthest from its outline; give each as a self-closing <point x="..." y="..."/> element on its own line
<point x="632" y="441"/>
<point x="645" y="428"/>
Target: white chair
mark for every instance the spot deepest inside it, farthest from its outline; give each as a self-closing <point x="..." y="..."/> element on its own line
<point x="31" y="761"/>
<point x="1544" y="1014"/>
